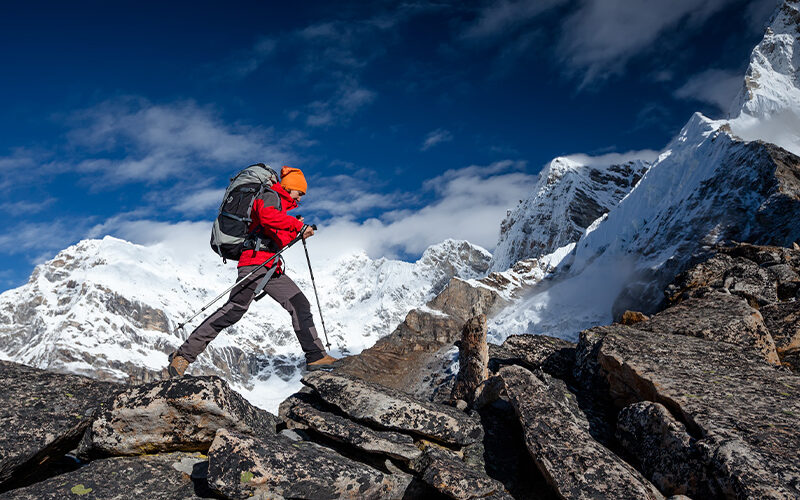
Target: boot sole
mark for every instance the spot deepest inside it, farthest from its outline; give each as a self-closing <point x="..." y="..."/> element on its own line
<point x="312" y="368"/>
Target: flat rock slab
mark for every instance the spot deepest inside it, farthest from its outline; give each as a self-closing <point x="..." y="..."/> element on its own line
<point x="241" y="466"/>
<point x="663" y="450"/>
<point x="720" y="317"/>
<point x="44" y="415"/>
<point x="154" y="477"/>
<point x="393" y="410"/>
<point x="746" y="413"/>
<point x="303" y="409"/>
<point x="553" y="355"/>
<point x="173" y="415"/>
<point x="575" y="465"/>
<point x="454" y="479"/>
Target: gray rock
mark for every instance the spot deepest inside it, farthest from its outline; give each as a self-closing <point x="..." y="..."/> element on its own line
<point x="172" y="476"/>
<point x="44" y="416"/>
<point x="394" y="410"/>
<point x="452" y="478"/>
<point x="744" y="413"/>
<point x="302" y="409"/>
<point x="575" y="465"/>
<point x="173" y="415"/>
<point x="243" y="466"/>
<point x="463" y="300"/>
<point x="473" y="359"/>
<point x="664" y="451"/>
<point x="749" y="280"/>
<point x="717" y="316"/>
<point x="408" y="357"/>
<point x="553" y="355"/>
<point x="783" y="321"/>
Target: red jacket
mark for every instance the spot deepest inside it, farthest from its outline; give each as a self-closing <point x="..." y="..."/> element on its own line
<point x="275" y="224"/>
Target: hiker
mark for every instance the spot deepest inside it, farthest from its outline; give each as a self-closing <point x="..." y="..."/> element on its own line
<point x="274" y="229"/>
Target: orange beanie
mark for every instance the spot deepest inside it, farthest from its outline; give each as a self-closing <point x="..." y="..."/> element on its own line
<point x="293" y="178"/>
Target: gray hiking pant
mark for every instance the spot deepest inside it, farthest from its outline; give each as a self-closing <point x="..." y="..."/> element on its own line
<point x="283" y="290"/>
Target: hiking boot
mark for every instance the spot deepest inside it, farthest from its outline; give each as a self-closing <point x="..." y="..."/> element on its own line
<point x="327" y="362"/>
<point x="177" y="365"/>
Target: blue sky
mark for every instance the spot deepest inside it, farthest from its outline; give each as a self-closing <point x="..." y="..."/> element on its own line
<point x="413" y="121"/>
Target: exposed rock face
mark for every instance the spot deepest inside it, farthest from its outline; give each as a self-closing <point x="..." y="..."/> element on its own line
<point x="241" y="466"/>
<point x="663" y="450"/>
<point x="783" y="322"/>
<point x="632" y="317"/>
<point x="173" y="415"/>
<point x="451" y="477"/>
<point x="743" y="412"/>
<point x="719" y="317"/>
<point x="764" y="276"/>
<point x="554" y="356"/>
<point x="170" y="476"/>
<point x="567" y="198"/>
<point x="394" y="410"/>
<point x="473" y="356"/>
<point x="304" y="411"/>
<point x="585" y="468"/>
<point x="46" y="415"/>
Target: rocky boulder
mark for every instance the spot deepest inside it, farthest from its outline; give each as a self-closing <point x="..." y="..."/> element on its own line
<point x="451" y="477"/>
<point x="720" y="317"/>
<point x="663" y="450"/>
<point x="553" y="355"/>
<point x="271" y="466"/>
<point x="575" y="465"/>
<point x="743" y="413"/>
<point x="306" y="411"/>
<point x="390" y="409"/>
<point x="170" y="476"/>
<point x="172" y="415"/>
<point x="44" y="416"/>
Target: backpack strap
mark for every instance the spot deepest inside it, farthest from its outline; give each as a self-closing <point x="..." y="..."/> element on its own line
<point x="255" y="239"/>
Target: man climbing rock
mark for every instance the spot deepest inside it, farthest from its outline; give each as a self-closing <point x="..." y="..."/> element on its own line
<point x="273" y="229"/>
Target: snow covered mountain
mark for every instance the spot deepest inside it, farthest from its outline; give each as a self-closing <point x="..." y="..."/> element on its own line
<point x="108" y="308"/>
<point x="717" y="180"/>
<point x="570" y="194"/>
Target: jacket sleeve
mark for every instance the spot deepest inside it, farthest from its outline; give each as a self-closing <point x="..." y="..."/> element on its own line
<point x="271" y="217"/>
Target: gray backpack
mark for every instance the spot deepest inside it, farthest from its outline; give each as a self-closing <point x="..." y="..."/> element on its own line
<point x="230" y="235"/>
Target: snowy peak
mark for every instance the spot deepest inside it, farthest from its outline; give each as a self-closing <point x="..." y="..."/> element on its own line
<point x="108" y="308"/>
<point x="772" y="82"/>
<point x="570" y="194"/>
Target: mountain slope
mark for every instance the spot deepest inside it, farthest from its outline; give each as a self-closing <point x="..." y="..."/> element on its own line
<point x="708" y="185"/>
<point x="569" y="195"/>
<point x="107" y="308"/>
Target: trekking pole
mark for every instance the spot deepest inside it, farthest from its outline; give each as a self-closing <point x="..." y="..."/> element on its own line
<point x="319" y="306"/>
<point x="299" y="237"/>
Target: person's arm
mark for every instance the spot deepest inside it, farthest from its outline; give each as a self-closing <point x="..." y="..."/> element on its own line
<point x="271" y="217"/>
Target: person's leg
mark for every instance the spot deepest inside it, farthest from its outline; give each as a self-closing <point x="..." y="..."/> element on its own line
<point x="287" y="294"/>
<point x="231" y="312"/>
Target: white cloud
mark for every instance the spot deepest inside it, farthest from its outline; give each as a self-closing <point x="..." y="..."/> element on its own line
<point x="199" y="201"/>
<point x="497" y="19"/>
<point x="348" y="99"/>
<point x="350" y="195"/>
<point x="601" y="36"/>
<point x="242" y="65"/>
<point x="131" y="139"/>
<point x="758" y="12"/>
<point x="467" y="203"/>
<point x="436" y="137"/>
<point x="23" y="207"/>
<point x="40" y="240"/>
<point x="713" y="86"/>
<point x="614" y="158"/>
